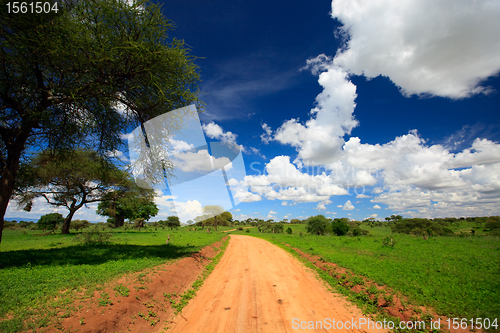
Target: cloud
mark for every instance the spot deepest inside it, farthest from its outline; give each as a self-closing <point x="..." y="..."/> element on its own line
<point x="214" y="131"/>
<point x="200" y="161"/>
<point x="322" y="205"/>
<point x="284" y="181"/>
<point x="443" y="48"/>
<point x="348" y="205"/>
<point x="377" y="207"/>
<point x="125" y="136"/>
<point x="429" y="180"/>
<point x="180" y="146"/>
<point x="118" y="155"/>
<point x="319" y="140"/>
<point x="267" y="135"/>
<point x="362" y="196"/>
<point x="184" y="210"/>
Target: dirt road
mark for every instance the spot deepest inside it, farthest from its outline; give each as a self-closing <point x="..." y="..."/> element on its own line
<point x="258" y="287"/>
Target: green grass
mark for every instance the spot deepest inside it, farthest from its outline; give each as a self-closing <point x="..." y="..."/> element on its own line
<point x="457" y="276"/>
<point x="40" y="273"/>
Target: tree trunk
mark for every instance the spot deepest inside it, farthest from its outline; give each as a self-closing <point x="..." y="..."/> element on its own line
<point x="67" y="222"/>
<point x="119" y="221"/>
<point x="9" y="172"/>
<point x="215" y="222"/>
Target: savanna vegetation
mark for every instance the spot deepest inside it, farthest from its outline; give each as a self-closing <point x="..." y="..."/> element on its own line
<point x="42" y="271"/>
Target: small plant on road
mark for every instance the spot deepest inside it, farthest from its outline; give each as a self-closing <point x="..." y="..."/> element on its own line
<point x="121" y="290"/>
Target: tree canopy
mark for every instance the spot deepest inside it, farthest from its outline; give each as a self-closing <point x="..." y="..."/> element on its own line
<point x="340" y="226"/>
<point x="81" y="76"/>
<point x="131" y="202"/>
<point x="213" y="215"/>
<point x="317" y="225"/>
<point x="70" y="180"/>
<point x="50" y="221"/>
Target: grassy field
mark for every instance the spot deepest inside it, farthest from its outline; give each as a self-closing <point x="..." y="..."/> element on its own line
<point x="457" y="276"/>
<point x="40" y="273"/>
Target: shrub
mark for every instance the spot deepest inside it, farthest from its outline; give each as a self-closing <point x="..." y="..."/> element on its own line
<point x="388" y="242"/>
<point x="79" y="224"/>
<point x="50" y="221"/>
<point x="247" y="231"/>
<point x="340" y="226"/>
<point x="277" y="227"/>
<point x="289" y="230"/>
<point x="422" y="227"/>
<point x="94" y="235"/>
<point x="317" y="225"/>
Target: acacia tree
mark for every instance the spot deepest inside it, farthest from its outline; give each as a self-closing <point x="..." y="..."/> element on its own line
<point x="50" y="221"/>
<point x="213" y="211"/>
<point x="131" y="202"/>
<point x="70" y="180"/>
<point x="82" y="75"/>
<point x="173" y="222"/>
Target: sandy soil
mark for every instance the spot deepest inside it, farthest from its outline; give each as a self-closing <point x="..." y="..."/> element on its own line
<point x="258" y="287"/>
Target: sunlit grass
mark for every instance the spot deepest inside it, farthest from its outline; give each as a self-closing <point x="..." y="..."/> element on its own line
<point x="34" y="269"/>
<point x="457" y="276"/>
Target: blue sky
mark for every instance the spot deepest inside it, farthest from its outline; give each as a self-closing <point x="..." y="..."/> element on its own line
<point x="349" y="108"/>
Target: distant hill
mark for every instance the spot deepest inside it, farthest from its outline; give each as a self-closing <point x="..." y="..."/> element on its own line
<point x="19" y="219"/>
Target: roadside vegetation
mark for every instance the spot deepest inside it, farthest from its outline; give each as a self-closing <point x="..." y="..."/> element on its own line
<point x="41" y="272"/>
<point x="450" y="265"/>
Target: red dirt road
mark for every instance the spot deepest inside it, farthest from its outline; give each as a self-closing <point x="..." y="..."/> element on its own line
<point x="258" y="287"/>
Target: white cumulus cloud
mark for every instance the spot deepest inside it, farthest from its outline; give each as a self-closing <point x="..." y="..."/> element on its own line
<point x="348" y="205"/>
<point x="443" y="48"/>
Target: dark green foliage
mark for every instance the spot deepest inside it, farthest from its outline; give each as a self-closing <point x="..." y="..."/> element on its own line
<point x="83" y="75"/>
<point x="317" y="225"/>
<point x="270" y="227"/>
<point x="340" y="227"/>
<point x="130" y="202"/>
<point x="422" y="227"/>
<point x="492" y="223"/>
<point x="355" y="230"/>
<point x="173" y="222"/>
<point x="277" y="228"/>
<point x="289" y="230"/>
<point x="50" y="221"/>
<point x="393" y="218"/>
<point x="80" y="224"/>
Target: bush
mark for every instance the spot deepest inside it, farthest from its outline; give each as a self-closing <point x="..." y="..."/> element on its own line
<point x="50" y="221"/>
<point x="93" y="236"/>
<point x="340" y="226"/>
<point x="289" y="230"/>
<point x="422" y="227"/>
<point x="247" y="231"/>
<point x="79" y="224"/>
<point x="317" y="225"/>
<point x="278" y="228"/>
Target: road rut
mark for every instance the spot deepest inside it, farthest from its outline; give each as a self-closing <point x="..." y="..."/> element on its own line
<point x="259" y="287"/>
